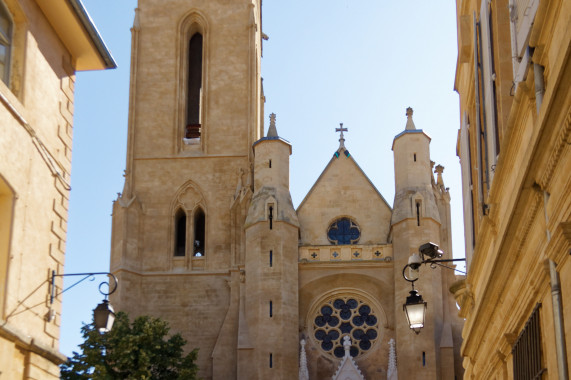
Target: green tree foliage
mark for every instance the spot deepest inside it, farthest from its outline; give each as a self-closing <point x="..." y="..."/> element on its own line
<point x="138" y="350"/>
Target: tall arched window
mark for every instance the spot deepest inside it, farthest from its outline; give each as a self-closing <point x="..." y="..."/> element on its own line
<point x="199" y="232"/>
<point x="194" y="90"/>
<point x="6" y="27"/>
<point x="180" y="233"/>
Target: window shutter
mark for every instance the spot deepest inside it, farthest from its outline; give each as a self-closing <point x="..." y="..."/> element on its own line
<point x="465" y="166"/>
<point x="522" y="15"/>
<point x="488" y="90"/>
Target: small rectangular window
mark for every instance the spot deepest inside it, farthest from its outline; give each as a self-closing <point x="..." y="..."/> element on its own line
<point x="271" y="258"/>
<point x="423" y="359"/>
<point x="271" y="216"/>
<point x="271" y="309"/>
<point x="415" y="157"/>
<point x="271" y="361"/>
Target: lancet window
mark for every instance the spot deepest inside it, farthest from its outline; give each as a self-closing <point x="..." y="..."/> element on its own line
<point x="180" y="233"/>
<point x="194" y="88"/>
<point x="199" y="233"/>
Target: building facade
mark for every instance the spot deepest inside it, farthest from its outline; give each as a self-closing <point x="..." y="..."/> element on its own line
<point x="205" y="230"/>
<point x="42" y="45"/>
<point x="513" y="76"/>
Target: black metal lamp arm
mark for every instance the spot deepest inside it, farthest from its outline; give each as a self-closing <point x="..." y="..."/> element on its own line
<point x="111" y="289"/>
<point x="431" y="262"/>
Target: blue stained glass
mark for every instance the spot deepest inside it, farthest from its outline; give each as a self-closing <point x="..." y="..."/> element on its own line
<point x="334" y="321"/>
<point x="319" y="321"/>
<point x="371" y="334"/>
<point x="352" y="303"/>
<point x="333" y="334"/>
<point x="371" y="320"/>
<point x="327" y="346"/>
<point x="364" y="310"/>
<point x="358" y="320"/>
<point x="338" y="304"/>
<point x="358" y="334"/>
<point x="345" y="327"/>
<point x="343" y="231"/>
<point x="326" y="310"/>
<point x="345" y="314"/>
<point x="353" y="351"/>
<point x="320" y="334"/>
<point x="339" y="352"/>
<point x="365" y="344"/>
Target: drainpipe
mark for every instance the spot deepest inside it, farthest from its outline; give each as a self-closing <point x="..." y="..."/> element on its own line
<point x="558" y="322"/>
<point x="560" y="348"/>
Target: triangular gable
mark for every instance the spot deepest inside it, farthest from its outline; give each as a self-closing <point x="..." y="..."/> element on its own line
<point x="338" y="154"/>
<point x="343" y="190"/>
<point x="348" y="369"/>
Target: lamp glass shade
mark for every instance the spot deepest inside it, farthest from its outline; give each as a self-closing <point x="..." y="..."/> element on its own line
<point x="104" y="316"/>
<point x="415" y="310"/>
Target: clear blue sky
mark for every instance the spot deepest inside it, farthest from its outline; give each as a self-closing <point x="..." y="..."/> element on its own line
<point x="361" y="63"/>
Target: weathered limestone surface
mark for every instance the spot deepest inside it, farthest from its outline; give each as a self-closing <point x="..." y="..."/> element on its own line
<point x="268" y="269"/>
<point x="36" y="116"/>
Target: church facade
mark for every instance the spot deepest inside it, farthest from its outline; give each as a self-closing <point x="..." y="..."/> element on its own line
<point x="205" y="231"/>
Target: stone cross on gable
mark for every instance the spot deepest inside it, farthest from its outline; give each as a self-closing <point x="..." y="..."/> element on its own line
<point x="341" y="139"/>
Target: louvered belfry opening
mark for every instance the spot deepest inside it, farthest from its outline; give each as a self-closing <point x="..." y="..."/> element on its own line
<point x="527" y="350"/>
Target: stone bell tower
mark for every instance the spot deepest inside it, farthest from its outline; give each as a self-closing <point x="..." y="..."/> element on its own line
<point x="421" y="214"/>
<point x="178" y="227"/>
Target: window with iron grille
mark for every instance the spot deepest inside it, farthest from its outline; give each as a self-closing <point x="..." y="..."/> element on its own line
<point x="527" y="350"/>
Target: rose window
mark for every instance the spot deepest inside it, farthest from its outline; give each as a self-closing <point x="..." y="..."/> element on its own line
<point x="345" y="316"/>
<point x="343" y="231"/>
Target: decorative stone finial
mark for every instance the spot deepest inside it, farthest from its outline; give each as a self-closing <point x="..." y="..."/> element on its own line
<point x="409" y="123"/>
<point x="341" y="138"/>
<point x="272" y="131"/>
<point x="303" y="371"/>
<point x="348" y="368"/>
<point x="346" y="344"/>
<point x="439" y="169"/>
<point x="392" y="371"/>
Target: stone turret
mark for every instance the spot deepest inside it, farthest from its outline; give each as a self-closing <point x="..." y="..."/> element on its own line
<point x="413" y="174"/>
<point x="271" y="267"/>
<point x="415" y="221"/>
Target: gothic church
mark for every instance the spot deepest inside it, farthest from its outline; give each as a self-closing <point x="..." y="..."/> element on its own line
<point x="206" y="234"/>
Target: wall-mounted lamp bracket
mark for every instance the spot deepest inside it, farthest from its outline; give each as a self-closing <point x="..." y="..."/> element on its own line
<point x="110" y="290"/>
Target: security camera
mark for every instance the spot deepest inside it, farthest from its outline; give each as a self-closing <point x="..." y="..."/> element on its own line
<point x="430" y="250"/>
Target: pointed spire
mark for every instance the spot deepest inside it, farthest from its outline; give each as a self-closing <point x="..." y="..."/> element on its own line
<point x="303" y="372"/>
<point x="272" y="131"/>
<point x="409" y="123"/>
<point x="392" y="371"/>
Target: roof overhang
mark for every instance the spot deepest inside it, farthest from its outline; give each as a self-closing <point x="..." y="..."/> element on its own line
<point x="276" y="138"/>
<point x="410" y="131"/>
<point x="75" y="28"/>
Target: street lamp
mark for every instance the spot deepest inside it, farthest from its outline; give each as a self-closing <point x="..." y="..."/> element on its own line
<point x="415" y="307"/>
<point x="415" y="310"/>
<point x="103" y="314"/>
